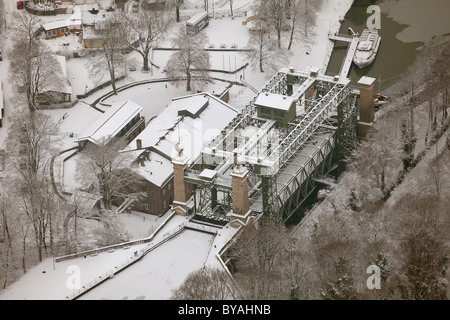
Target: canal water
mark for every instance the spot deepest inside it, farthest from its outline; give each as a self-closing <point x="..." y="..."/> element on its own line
<point x="405" y="26"/>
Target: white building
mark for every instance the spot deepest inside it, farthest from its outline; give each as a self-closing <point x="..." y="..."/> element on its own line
<point x="121" y="120"/>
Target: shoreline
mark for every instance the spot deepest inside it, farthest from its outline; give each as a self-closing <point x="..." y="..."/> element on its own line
<point x="329" y="20"/>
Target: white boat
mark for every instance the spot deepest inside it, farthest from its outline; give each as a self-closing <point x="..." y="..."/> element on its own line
<point x="367" y="48"/>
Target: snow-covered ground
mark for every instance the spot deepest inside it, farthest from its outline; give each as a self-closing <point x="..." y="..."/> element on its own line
<point x="154" y="277"/>
<point x="160" y="271"/>
<point x="166" y="267"/>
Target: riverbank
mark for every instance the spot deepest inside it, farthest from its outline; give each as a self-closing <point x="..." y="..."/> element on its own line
<point x="405" y="27"/>
<point x="315" y="51"/>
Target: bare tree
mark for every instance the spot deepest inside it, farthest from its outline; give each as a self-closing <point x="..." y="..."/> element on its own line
<point x="441" y="74"/>
<point x="437" y="169"/>
<point x="25" y="27"/>
<point x="190" y="60"/>
<point x="177" y="4"/>
<point x="141" y="30"/>
<point x="204" y="284"/>
<point x="256" y="255"/>
<point x="111" y="46"/>
<point x="428" y="62"/>
<point x="35" y="69"/>
<point x="341" y="285"/>
<point x="298" y="273"/>
<point x="263" y="51"/>
<point x="108" y="170"/>
<point x="2" y="18"/>
<point x="302" y="14"/>
<point x="7" y="238"/>
<point x="275" y="11"/>
<point x="377" y="159"/>
<point x="30" y="146"/>
<point x="421" y="231"/>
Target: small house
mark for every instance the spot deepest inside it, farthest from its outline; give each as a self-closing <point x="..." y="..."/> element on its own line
<point x="57" y="92"/>
<point x="56" y="29"/>
<point x="122" y="120"/>
<point x="75" y="20"/>
<point x="197" y="23"/>
<point x="276" y="107"/>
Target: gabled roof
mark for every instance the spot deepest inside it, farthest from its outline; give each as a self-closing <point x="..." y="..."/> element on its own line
<point x="170" y="127"/>
<point x="274" y="101"/>
<point x="63" y="86"/>
<point x="111" y="122"/>
<point x="55" y="25"/>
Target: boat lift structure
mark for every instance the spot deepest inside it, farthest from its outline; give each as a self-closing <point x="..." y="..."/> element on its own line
<point x="266" y="166"/>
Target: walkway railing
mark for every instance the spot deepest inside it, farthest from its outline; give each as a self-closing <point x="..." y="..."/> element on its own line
<point x="115" y="246"/>
<point x="139" y="255"/>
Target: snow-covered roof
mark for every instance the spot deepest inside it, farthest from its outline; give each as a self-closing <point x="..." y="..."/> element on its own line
<point x="366" y="81"/>
<point x="196" y="18"/>
<point x="274" y="101"/>
<point x="55" y="24"/>
<point x="111" y="122"/>
<point x="208" y="174"/>
<point x="157" y="169"/>
<point x="62" y="62"/>
<point x="76" y="15"/>
<point x="193" y="107"/>
<point x="75" y="18"/>
<point x="63" y="87"/>
<point x="94" y="19"/>
<point x="90" y="33"/>
<point x="163" y="133"/>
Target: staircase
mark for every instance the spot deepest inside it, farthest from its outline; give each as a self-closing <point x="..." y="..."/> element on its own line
<point x="125" y="205"/>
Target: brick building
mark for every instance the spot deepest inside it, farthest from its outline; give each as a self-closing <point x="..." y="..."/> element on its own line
<point x="192" y="121"/>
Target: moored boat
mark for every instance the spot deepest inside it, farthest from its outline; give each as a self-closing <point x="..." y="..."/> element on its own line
<point x="367" y="48"/>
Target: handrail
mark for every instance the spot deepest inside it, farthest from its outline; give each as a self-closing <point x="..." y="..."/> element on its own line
<point x="115" y="246"/>
<point x="109" y="275"/>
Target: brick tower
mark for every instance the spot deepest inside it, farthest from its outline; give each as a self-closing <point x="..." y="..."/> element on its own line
<point x="180" y="190"/>
<point x="241" y="209"/>
<point x="366" y="106"/>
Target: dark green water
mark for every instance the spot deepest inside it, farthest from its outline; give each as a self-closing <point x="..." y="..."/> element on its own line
<point x="406" y="25"/>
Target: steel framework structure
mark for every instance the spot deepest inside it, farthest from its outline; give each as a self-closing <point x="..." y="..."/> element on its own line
<point x="284" y="161"/>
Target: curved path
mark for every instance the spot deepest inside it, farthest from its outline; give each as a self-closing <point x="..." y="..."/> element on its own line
<point x="137" y="83"/>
